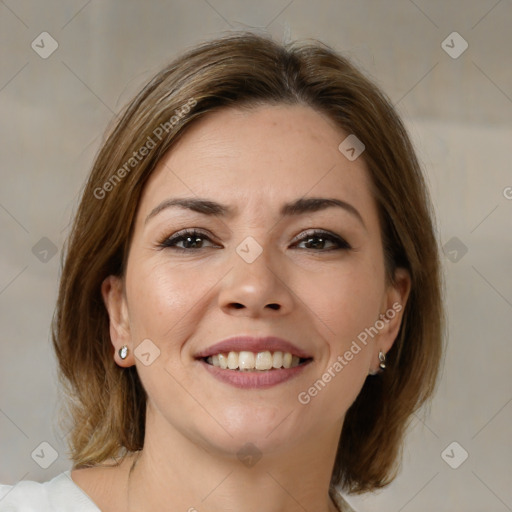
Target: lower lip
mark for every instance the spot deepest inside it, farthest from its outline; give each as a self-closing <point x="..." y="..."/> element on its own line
<point x="256" y="379"/>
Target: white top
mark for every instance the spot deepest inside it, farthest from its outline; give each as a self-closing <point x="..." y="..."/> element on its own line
<point x="61" y="494"/>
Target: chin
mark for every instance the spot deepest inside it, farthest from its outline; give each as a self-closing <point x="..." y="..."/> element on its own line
<point x="269" y="427"/>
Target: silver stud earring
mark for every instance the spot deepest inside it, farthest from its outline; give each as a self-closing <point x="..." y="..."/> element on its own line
<point x="382" y="359"/>
<point x="123" y="352"/>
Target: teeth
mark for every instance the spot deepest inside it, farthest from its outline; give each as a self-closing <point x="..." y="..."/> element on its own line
<point x="250" y="361"/>
<point x="263" y="361"/>
<point x="223" y="361"/>
<point x="246" y="360"/>
<point x="277" y="359"/>
<point x="232" y="360"/>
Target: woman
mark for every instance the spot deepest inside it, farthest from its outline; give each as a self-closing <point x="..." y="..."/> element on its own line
<point x="250" y="308"/>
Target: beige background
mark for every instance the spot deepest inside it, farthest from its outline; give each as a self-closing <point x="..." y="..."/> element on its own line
<point x="459" y="112"/>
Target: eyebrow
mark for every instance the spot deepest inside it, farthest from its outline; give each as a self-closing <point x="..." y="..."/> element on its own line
<point x="297" y="207"/>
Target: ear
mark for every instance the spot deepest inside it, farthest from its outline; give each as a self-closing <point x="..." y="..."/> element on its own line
<point x="392" y="310"/>
<point x="115" y="302"/>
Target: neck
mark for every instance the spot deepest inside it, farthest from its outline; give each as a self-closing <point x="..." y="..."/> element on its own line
<point x="175" y="473"/>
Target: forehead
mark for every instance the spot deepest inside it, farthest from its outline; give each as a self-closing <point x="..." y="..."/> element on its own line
<point x="258" y="158"/>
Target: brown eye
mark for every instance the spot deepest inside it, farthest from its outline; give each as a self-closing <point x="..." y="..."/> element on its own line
<point x="190" y="239"/>
<point x="317" y="241"/>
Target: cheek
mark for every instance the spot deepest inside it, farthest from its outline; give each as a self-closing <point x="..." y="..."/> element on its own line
<point x="344" y="301"/>
<point x="169" y="299"/>
<point x="166" y="301"/>
<point x="346" y="304"/>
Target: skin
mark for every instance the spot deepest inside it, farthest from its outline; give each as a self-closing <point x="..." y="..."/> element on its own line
<point x="184" y="302"/>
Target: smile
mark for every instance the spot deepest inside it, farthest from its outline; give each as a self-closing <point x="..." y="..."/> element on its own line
<point x="250" y="362"/>
<point x="244" y="372"/>
<point x="255" y="361"/>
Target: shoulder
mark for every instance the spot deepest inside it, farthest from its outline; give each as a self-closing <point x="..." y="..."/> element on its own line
<point x="342" y="504"/>
<point x="59" y="494"/>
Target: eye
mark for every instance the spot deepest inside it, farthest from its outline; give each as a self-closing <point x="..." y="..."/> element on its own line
<point x="191" y="238"/>
<point x="317" y="240"/>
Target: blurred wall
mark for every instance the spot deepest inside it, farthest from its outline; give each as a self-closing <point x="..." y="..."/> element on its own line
<point x="454" y="92"/>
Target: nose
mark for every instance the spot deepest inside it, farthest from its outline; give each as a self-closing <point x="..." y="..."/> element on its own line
<point x="256" y="289"/>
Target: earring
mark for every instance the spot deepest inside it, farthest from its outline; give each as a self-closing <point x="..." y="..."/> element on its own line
<point x="382" y="359"/>
<point x="123" y="352"/>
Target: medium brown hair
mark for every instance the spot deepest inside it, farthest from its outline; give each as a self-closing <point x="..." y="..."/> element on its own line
<point x="107" y="403"/>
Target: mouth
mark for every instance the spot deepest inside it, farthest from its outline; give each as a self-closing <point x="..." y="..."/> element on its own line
<point x="248" y="362"/>
<point x="245" y="361"/>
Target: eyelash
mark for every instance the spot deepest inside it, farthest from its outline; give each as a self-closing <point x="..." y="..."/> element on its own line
<point x="192" y="233"/>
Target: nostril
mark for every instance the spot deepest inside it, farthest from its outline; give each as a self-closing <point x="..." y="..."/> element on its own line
<point x="237" y="305"/>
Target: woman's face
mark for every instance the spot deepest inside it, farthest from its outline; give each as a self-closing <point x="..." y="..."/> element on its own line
<point x="254" y="268"/>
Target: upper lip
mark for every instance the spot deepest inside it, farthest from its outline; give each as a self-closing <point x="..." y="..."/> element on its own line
<point x="253" y="344"/>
